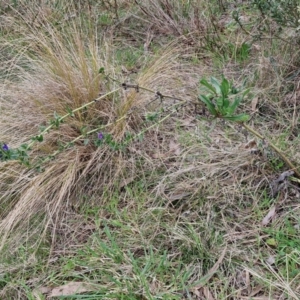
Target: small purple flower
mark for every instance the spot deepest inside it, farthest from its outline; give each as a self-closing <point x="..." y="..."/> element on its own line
<point x="100" y="136"/>
<point x="5" y="147"/>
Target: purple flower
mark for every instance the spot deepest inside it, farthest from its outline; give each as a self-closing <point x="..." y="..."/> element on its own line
<point x="100" y="135"/>
<point x="5" y="147"/>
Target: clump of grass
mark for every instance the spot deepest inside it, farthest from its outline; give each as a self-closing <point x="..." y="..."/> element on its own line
<point x="62" y="75"/>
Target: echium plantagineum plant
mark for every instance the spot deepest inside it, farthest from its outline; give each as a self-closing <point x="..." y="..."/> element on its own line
<point x="87" y="137"/>
<point x="7" y="153"/>
<point x="222" y="101"/>
<point x="21" y="153"/>
<point x="4" y="152"/>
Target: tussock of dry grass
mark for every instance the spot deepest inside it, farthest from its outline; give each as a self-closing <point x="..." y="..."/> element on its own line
<point x="64" y="73"/>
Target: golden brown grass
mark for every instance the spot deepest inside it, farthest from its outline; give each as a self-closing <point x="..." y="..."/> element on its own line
<point x="62" y="71"/>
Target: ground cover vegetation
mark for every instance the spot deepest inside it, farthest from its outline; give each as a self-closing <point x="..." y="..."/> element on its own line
<point x="149" y="149"/>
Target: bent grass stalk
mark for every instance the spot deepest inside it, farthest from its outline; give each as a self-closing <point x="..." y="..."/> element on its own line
<point x="277" y="150"/>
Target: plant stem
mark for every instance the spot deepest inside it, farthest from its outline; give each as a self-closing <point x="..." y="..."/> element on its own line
<point x="278" y="151"/>
<point x="75" y="110"/>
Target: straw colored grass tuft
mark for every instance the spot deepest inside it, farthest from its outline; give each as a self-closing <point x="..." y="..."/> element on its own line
<point x="61" y="72"/>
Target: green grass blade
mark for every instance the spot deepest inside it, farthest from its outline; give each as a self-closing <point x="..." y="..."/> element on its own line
<point x="210" y="106"/>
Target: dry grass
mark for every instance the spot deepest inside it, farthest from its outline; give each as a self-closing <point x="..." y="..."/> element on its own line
<point x="62" y="72"/>
<point x="150" y="222"/>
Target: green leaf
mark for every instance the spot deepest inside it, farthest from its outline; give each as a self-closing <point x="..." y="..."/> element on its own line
<point x="42" y="128"/>
<point x="210" y="106"/>
<point x="226" y="104"/>
<point x="208" y="85"/>
<point x="70" y="112"/>
<point x="220" y="103"/>
<point x="231" y="109"/>
<point x="128" y="136"/>
<point x="151" y="116"/>
<point x="108" y="138"/>
<point x="271" y="242"/>
<point x="39" y="138"/>
<point x="216" y="85"/>
<point x="237" y="118"/>
<point x="24" y="147"/>
<point x="234" y="90"/>
<point x="245" y="93"/>
<point x="140" y="137"/>
<point x="225" y="87"/>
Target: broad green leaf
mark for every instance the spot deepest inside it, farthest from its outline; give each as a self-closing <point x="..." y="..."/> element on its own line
<point x="234" y="90"/>
<point x="226" y="104"/>
<point x="220" y="103"/>
<point x="225" y="87"/>
<point x="208" y="85"/>
<point x="70" y="112"/>
<point x="231" y="109"/>
<point x="237" y="118"/>
<point x="214" y="81"/>
<point x="209" y="104"/>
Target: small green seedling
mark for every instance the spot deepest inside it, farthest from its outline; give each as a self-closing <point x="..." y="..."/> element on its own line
<point x="223" y="99"/>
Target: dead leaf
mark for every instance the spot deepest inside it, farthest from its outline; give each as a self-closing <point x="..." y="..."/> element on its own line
<point x="71" y="288"/>
<point x="297" y="226"/>
<point x="256" y="47"/>
<point x="42" y="290"/>
<point x="53" y="259"/>
<point x="197" y="292"/>
<point x="157" y="155"/>
<point x="207" y="293"/>
<point x="251" y="144"/>
<point x="124" y="70"/>
<point x="179" y="196"/>
<point x="279" y="183"/>
<point x="255" y="291"/>
<point x="188" y="122"/>
<point x="175" y="198"/>
<point x="254" y="103"/>
<point x="271" y="260"/>
<point x="270" y="215"/>
<point x="174" y="147"/>
<point x="126" y="181"/>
